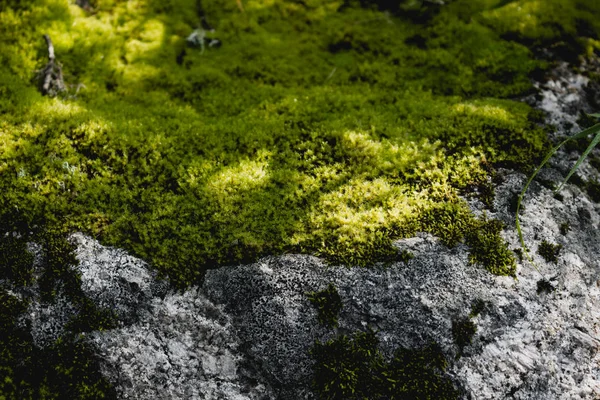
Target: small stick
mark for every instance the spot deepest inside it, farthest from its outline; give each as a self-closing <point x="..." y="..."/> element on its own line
<point x="50" y="48"/>
<point x="51" y="76"/>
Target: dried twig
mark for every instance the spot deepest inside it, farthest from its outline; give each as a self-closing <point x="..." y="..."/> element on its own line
<point x="50" y="77"/>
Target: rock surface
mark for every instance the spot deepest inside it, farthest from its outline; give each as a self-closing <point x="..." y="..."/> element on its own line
<point x="246" y="333"/>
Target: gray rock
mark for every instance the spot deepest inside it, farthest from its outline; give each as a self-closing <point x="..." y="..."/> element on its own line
<point x="113" y="279"/>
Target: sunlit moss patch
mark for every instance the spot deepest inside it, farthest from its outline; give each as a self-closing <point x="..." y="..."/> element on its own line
<point x="324" y="127"/>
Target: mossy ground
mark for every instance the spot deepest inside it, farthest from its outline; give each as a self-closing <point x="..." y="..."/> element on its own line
<point x="318" y="126"/>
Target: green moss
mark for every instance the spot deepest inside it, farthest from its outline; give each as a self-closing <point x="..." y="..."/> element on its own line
<point x="16" y="262"/>
<point x="328" y="304"/>
<point x="319" y="127"/>
<point x="566" y="28"/>
<point x="519" y="253"/>
<point x="565" y="228"/>
<point x="463" y="330"/>
<point x="354" y="368"/>
<point x="549" y="251"/>
<point x="593" y="190"/>
<point x="405" y="256"/>
<point x="66" y="369"/>
<point x="488" y="248"/>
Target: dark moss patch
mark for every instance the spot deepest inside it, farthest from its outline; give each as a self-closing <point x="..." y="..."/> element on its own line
<point x="354" y="368"/>
<point x="477" y="307"/>
<point x="565" y="228"/>
<point x="593" y="190"/>
<point x="548" y="184"/>
<point x="549" y="251"/>
<point x="544" y="286"/>
<point x="463" y="330"/>
<point x="328" y="304"/>
<point x="405" y="256"/>
<point x="585" y="120"/>
<point x="66" y="369"/>
<point x="519" y="253"/>
<point x="558" y="196"/>
<point x="577" y="180"/>
<point x="16" y="262"/>
<point x="594" y="162"/>
<point x="488" y="248"/>
<point x="513" y="202"/>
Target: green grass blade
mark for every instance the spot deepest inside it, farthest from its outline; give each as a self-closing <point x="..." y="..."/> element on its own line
<point x="586" y="132"/>
<point x="592" y="130"/>
<point x="520" y="199"/>
<point x="594" y="115"/>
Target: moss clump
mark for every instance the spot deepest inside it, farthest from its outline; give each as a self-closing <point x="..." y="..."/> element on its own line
<point x="593" y="190"/>
<point x="405" y="256"/>
<point x="565" y="228"/>
<point x="319" y="128"/>
<point x="488" y="248"/>
<point x="565" y="28"/>
<point x="16" y="261"/>
<point x="477" y="307"/>
<point x="519" y="253"/>
<point x="328" y="303"/>
<point x="544" y="286"/>
<point x="354" y="368"/>
<point x="463" y="330"/>
<point x="549" y="251"/>
<point x="449" y="221"/>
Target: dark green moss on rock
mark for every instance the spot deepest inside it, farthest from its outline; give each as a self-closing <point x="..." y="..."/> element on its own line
<point x="463" y="330"/>
<point x="328" y="304"/>
<point x="489" y="249"/>
<point x="352" y="367"/>
<point x="545" y="286"/>
<point x="565" y="228"/>
<point x="67" y="368"/>
<point x="549" y="251"/>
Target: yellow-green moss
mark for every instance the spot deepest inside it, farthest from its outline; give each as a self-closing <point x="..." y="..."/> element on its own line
<point x="317" y="126"/>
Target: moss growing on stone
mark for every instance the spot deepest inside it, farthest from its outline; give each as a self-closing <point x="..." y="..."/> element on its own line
<point x="477" y="307"/>
<point x="463" y="330"/>
<point x="67" y="368"/>
<point x="549" y="251"/>
<point x="405" y="256"/>
<point x="319" y="127"/>
<point x="354" y="368"/>
<point x="593" y="190"/>
<point x="545" y="286"/>
<point x="328" y="303"/>
<point x="16" y="262"/>
<point x="565" y="228"/>
<point x="488" y="248"/>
